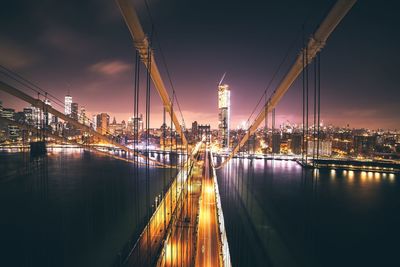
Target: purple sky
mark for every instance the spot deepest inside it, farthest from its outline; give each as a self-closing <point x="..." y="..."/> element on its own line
<point x="86" y="48"/>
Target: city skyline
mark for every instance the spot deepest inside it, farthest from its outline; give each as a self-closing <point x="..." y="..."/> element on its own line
<point x="64" y="56"/>
<point x="199" y="133"/>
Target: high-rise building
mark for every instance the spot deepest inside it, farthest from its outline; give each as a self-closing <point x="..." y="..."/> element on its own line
<point x="224" y="103"/>
<point x="276" y="143"/>
<point x="74" y="111"/>
<point x="325" y="147"/>
<point x="29" y="115"/>
<point x="37" y="117"/>
<point x="47" y="116"/>
<point x="194" y="130"/>
<point x="102" y="123"/>
<point x="138" y="123"/>
<point x="295" y="144"/>
<point x="67" y="104"/>
<point x="33" y="115"/>
<point x="364" y="145"/>
<point x="82" y="116"/>
<point x="94" y="122"/>
<point x="8" y="113"/>
<point x="12" y="130"/>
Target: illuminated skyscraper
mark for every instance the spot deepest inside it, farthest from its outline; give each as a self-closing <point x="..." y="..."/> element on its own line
<point x="224" y="107"/>
<point x="82" y="116"/>
<point x="138" y="123"/>
<point x="47" y="116"/>
<point x="67" y="104"/>
<point x="94" y="122"/>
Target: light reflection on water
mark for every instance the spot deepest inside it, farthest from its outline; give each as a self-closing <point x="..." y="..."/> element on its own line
<point x="326" y="217"/>
<point x="71" y="208"/>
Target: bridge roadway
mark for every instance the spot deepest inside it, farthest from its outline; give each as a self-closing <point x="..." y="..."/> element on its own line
<point x="180" y="244"/>
<point x="194" y="240"/>
<point x="149" y="245"/>
<point x="146" y="249"/>
<point x="208" y="243"/>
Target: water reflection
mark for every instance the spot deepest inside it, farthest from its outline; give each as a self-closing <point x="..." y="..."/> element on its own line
<point x="277" y="208"/>
<point x="333" y="174"/>
<point x="71" y="207"/>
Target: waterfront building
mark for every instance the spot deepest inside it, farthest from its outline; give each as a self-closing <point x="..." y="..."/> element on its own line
<point x="364" y="145"/>
<point x="324" y="147"/>
<point x="276" y="143"/>
<point x="295" y="143"/>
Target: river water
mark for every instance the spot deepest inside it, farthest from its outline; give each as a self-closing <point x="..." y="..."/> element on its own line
<point x="71" y="208"/>
<point x="278" y="214"/>
<point x="76" y="208"/>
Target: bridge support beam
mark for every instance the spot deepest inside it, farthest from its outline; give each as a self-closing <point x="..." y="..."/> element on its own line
<point x="40" y="104"/>
<point x="142" y="45"/>
<point x="315" y="44"/>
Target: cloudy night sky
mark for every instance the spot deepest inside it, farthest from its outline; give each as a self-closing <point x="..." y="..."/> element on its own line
<point x="86" y="48"/>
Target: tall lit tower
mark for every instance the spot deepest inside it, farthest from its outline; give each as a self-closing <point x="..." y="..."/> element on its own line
<point x="47" y="116"/>
<point x="67" y="104"/>
<point x="224" y="107"/>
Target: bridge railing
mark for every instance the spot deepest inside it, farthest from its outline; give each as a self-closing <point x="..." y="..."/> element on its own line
<point x="226" y="258"/>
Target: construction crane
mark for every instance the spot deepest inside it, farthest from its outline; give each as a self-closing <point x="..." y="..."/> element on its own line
<point x="315" y="44"/>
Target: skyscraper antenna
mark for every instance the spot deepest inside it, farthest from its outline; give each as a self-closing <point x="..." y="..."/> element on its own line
<point x="223" y="76"/>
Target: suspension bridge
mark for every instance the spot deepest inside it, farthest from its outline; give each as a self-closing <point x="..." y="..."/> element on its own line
<point x="186" y="228"/>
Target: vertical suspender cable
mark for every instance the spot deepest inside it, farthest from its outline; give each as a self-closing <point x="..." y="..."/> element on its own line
<point x="171" y="174"/>
<point x="164" y="181"/>
<point x="319" y="98"/>
<point x="46" y="117"/>
<point x="273" y="131"/>
<point x="307" y="133"/>
<point x="303" y="105"/>
<point x="171" y="180"/>
<point x="148" y="84"/>
<point x="177" y="195"/>
<point x="314" y="133"/>
<point x="136" y="140"/>
<point x="266" y="123"/>
<point x="164" y="134"/>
